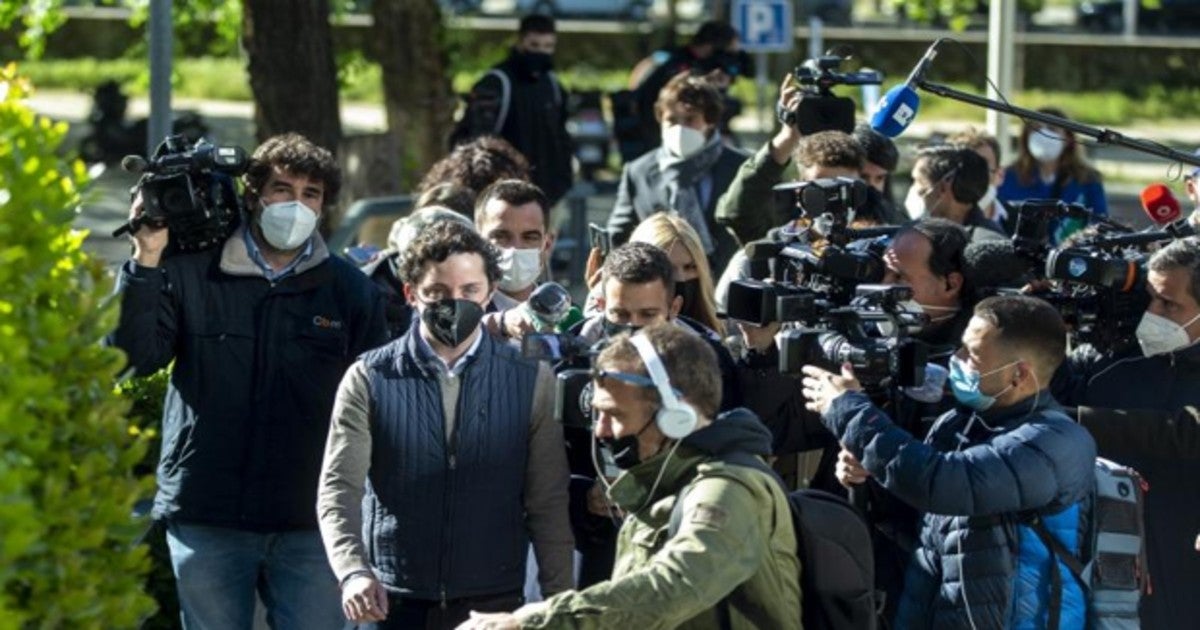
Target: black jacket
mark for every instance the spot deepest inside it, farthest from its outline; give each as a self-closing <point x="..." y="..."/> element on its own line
<point x="398" y="312"/>
<point x="642" y="193"/>
<point x="257" y="364"/>
<point x="533" y="119"/>
<point x="1167" y="383"/>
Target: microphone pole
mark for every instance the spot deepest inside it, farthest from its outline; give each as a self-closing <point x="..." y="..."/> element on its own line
<point x="1103" y="136"/>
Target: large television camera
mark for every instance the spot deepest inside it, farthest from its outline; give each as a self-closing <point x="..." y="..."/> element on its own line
<point x="1098" y="276"/>
<point x="189" y="190"/>
<point x="819" y="108"/>
<point x="573" y="385"/>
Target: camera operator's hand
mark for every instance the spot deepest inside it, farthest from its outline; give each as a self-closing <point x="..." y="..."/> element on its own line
<point x="148" y="242"/>
<point x="849" y="471"/>
<point x="1033" y="287"/>
<point x="515" y="324"/>
<point x="598" y="504"/>
<point x="592" y="271"/>
<point x="758" y="338"/>
<point x="821" y="387"/>
<point x="785" y="142"/>
<point x="364" y="599"/>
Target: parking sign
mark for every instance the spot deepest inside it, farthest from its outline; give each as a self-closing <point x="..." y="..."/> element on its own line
<point x="764" y="25"/>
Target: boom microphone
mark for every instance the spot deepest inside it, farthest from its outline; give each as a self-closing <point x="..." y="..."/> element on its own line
<point x="135" y="164"/>
<point x="898" y="107"/>
<point x="1163" y="209"/>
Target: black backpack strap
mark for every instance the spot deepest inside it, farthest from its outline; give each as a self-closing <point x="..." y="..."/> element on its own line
<point x="1057" y="552"/>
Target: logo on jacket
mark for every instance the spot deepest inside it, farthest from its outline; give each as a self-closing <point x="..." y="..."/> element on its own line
<point x="325" y="322"/>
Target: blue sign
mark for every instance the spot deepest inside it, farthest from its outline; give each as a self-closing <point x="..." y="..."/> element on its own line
<point x="764" y="25"/>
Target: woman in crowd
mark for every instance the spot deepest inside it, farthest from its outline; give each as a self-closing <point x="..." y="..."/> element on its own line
<point x="1050" y="165"/>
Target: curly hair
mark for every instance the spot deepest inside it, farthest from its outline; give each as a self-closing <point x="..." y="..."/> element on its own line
<point x="476" y="164"/>
<point x="831" y="149"/>
<point x="296" y="155"/>
<point x="441" y="240"/>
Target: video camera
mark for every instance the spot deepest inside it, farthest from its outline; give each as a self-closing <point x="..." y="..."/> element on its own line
<point x="820" y="109"/>
<point x="735" y="63"/>
<point x="880" y="361"/>
<point x="188" y="190"/>
<point x="573" y="386"/>
<point x="1100" y="275"/>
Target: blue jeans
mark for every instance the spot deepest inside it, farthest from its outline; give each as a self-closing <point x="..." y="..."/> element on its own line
<point x="218" y="571"/>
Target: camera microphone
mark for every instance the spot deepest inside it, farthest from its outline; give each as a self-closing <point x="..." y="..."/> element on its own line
<point x="1164" y="211"/>
<point x="135" y="164"/>
<point x="994" y="264"/>
<point x="898" y="107"/>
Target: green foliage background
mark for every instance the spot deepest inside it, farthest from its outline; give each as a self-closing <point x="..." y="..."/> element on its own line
<point x="67" y="448"/>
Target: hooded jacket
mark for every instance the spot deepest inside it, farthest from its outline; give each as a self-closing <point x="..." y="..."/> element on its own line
<point x="257" y="365"/>
<point x="736" y="541"/>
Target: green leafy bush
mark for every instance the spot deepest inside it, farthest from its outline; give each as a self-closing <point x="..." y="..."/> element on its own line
<point x="67" y="449"/>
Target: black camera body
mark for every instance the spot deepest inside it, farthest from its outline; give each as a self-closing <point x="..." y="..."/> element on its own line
<point x="573" y="386"/>
<point x="820" y="109"/>
<point x="190" y="191"/>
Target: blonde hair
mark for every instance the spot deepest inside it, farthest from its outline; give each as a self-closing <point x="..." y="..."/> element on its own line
<point x="664" y="230"/>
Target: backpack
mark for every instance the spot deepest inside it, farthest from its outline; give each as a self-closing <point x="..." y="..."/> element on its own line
<point x="474" y="122"/>
<point x="833" y="543"/>
<point x="1112" y="570"/>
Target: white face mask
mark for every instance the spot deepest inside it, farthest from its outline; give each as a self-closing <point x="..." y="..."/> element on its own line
<point x="1046" y="145"/>
<point x="521" y="268"/>
<point x="1158" y="335"/>
<point x="985" y="203"/>
<point x="682" y="142"/>
<point x="914" y="203"/>
<point x="287" y="224"/>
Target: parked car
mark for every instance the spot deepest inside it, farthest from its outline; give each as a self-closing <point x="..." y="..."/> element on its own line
<point x="1108" y="16"/>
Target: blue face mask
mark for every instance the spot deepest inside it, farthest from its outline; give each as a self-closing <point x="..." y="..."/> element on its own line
<point x="964" y="382"/>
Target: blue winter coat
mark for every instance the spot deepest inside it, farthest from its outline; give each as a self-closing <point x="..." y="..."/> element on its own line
<point x="975" y="481"/>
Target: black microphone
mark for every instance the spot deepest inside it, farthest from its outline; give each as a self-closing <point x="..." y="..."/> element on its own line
<point x="135" y="164"/>
<point x="995" y="264"/>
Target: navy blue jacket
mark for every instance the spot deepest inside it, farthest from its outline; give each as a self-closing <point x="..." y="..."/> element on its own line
<point x="257" y="365"/>
<point x="975" y="481"/>
<point x="447" y="520"/>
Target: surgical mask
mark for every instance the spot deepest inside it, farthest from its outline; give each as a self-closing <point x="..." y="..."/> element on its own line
<point x="988" y="198"/>
<point x="520" y="268"/>
<point x="536" y="63"/>
<point x="1045" y="145"/>
<point x="1158" y="335"/>
<point x="287" y="224"/>
<point x="689" y="290"/>
<point x="914" y="203"/>
<point x="452" y="321"/>
<point x="681" y="141"/>
<point x="964" y="383"/>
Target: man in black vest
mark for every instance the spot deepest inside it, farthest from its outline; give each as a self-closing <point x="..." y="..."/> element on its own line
<point x="450" y="435"/>
<point x="260" y="330"/>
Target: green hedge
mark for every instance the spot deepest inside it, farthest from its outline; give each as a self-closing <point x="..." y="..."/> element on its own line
<point x="67" y="449"/>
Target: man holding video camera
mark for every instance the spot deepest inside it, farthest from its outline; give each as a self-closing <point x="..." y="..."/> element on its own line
<point x="260" y="330"/>
<point x="1163" y="378"/>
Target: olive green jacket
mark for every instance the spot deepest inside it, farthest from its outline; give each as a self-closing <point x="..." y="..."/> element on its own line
<point x="748" y="207"/>
<point x="735" y="540"/>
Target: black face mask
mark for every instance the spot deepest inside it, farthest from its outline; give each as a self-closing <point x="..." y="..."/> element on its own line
<point x="624" y="450"/>
<point x="535" y="63"/>
<point x="612" y="329"/>
<point x="452" y="321"/>
<point x="689" y="290"/>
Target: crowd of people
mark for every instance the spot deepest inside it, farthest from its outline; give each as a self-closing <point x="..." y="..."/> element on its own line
<point x="373" y="447"/>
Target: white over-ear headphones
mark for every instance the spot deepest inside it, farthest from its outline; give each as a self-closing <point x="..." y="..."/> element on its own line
<point x="674" y="418"/>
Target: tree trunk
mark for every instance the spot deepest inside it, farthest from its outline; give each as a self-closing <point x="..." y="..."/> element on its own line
<point x="292" y="70"/>
<point x="418" y="99"/>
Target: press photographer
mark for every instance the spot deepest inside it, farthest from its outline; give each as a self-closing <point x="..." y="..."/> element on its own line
<point x="260" y="330"/>
<point x="1163" y="375"/>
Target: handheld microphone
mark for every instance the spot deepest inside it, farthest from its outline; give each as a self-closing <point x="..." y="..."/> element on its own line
<point x="1163" y="209"/>
<point x="898" y="107"/>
